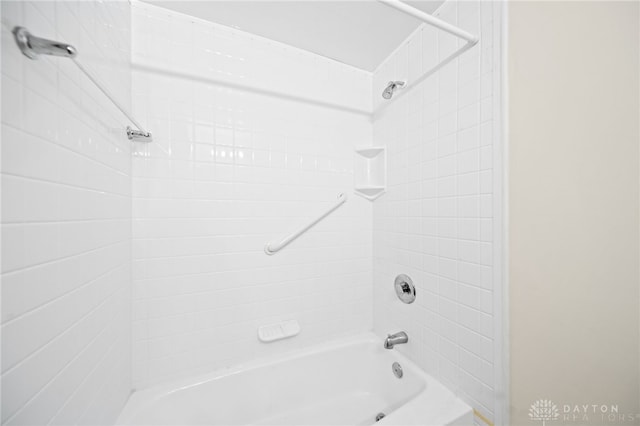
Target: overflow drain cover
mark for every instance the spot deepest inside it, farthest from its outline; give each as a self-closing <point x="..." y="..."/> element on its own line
<point x="379" y="417"/>
<point x="397" y="370"/>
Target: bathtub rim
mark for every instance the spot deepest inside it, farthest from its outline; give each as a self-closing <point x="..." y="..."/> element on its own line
<point x="407" y="414"/>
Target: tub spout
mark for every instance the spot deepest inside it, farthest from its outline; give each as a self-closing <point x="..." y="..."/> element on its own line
<point x="395" y="339"/>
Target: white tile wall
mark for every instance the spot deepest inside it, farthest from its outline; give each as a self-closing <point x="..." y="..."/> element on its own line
<point x="66" y="218"/>
<point x="233" y="166"/>
<point x="437" y="222"/>
<point x="251" y="137"/>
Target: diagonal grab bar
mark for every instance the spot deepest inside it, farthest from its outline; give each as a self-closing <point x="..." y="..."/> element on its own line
<point x="273" y="247"/>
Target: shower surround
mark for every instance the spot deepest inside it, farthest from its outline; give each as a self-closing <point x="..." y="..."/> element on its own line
<point x="229" y="170"/>
<point x="232" y="167"/>
<point x="439" y="221"/>
<point x="149" y="258"/>
<point x="66" y="218"/>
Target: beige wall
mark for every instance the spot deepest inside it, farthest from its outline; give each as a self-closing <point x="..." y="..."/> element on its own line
<point x="573" y="206"/>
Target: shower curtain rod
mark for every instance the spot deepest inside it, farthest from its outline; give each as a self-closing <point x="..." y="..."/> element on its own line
<point x="32" y="47"/>
<point x="431" y="20"/>
<point x="471" y="40"/>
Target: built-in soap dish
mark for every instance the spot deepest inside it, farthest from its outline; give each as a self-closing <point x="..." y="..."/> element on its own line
<point x="278" y="331"/>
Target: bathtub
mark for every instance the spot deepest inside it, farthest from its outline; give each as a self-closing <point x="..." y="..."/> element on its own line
<point x="347" y="382"/>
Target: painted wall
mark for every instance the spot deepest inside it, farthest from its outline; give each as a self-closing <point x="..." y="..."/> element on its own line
<point x="66" y="218"/>
<point x="439" y="221"/>
<point x="251" y="138"/>
<point x="573" y="201"/>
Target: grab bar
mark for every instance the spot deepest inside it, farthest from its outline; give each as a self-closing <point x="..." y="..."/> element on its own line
<point x="273" y="247"/>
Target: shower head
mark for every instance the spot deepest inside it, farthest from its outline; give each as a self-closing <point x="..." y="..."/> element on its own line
<point x="391" y="87"/>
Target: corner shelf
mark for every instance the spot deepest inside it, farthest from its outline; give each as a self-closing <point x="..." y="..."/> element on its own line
<point x="369" y="151"/>
<point x="370" y="171"/>
<point x="370" y="192"/>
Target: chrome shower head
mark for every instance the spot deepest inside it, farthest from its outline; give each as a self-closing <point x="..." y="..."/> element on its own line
<point x="391" y="87"/>
<point x="387" y="93"/>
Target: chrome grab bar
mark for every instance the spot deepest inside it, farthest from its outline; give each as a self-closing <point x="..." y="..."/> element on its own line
<point x="273" y="247"/>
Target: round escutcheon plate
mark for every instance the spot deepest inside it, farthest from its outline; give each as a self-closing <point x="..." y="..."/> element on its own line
<point x="405" y="290"/>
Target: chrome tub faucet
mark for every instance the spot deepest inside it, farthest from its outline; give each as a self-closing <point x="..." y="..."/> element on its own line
<point x="395" y="339"/>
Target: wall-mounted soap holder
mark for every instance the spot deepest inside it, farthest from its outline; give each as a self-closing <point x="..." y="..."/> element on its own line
<point x="278" y="331"/>
<point x="370" y="171"/>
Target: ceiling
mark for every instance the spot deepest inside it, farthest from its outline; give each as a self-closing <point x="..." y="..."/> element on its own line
<point x="359" y="33"/>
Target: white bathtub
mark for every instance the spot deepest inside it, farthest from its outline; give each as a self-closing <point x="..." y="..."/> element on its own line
<point x="347" y="382"/>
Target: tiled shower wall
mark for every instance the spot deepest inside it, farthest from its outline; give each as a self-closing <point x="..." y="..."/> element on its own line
<point x="66" y="218"/>
<point x="438" y="221"/>
<point x="251" y="139"/>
